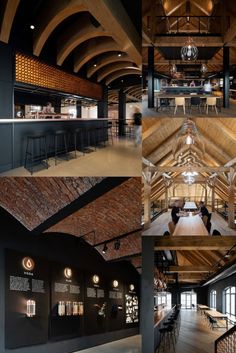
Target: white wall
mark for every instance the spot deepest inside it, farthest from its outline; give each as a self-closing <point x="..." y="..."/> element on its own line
<point x="90" y="112"/>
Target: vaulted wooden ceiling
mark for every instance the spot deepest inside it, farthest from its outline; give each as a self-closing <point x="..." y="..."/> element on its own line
<point x="213" y="23"/>
<point x="196" y="264"/>
<point x="96" y="209"/>
<point x="133" y="94"/>
<point x="97" y="37"/>
<point x="218" y="135"/>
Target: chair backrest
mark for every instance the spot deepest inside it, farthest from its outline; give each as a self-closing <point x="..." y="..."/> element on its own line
<point x="216" y="232"/>
<point x="179" y="101"/>
<point x="211" y="101"/>
<point x="208" y="227"/>
<point x="166" y="233"/>
<point x="195" y="100"/>
<point x="205" y="219"/>
<point x="171" y="227"/>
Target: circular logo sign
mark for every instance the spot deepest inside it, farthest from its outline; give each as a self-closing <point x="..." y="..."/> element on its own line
<point x="68" y="272"/>
<point x="95" y="279"/>
<point x="28" y="263"/>
<point x="115" y="284"/>
<point x="131" y="287"/>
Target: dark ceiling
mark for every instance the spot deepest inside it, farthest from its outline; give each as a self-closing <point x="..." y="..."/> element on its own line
<point x="173" y="53"/>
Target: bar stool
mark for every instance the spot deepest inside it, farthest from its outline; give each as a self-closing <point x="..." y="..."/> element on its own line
<point x="36" y="150"/>
<point x="79" y="132"/>
<point x="167" y="339"/>
<point x="60" y="136"/>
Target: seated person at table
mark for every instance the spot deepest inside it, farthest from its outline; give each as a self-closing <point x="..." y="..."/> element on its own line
<point x="175" y="212"/>
<point x="203" y="210"/>
<point x="48" y="109"/>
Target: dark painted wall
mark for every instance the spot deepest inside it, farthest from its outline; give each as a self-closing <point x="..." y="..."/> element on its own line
<point x="219" y="286"/>
<point x="64" y="249"/>
<point x="6" y="82"/>
<point x="177" y="290"/>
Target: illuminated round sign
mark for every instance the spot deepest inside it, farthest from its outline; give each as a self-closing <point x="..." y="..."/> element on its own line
<point x="115" y="284"/>
<point x="131" y="287"/>
<point x="68" y="272"/>
<point x="95" y="279"/>
<point x="28" y="263"/>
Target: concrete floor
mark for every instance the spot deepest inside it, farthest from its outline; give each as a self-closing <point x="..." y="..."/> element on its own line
<point x="120" y="159"/>
<point x="127" y="345"/>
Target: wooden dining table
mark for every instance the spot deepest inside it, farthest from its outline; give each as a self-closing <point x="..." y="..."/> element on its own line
<point x="202" y="308"/>
<point x="190" y="225"/>
<point x="218" y="316"/>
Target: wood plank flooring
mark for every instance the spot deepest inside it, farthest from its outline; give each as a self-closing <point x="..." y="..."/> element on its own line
<point x="195" y="335"/>
<point x="160" y="225"/>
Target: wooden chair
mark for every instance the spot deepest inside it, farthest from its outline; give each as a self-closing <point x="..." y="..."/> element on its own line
<point x="179" y="102"/>
<point x="171" y="227"/>
<point x="211" y="102"/>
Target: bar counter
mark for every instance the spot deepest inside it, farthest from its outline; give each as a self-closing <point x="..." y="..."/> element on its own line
<point x="160" y="317"/>
<point x="14" y="132"/>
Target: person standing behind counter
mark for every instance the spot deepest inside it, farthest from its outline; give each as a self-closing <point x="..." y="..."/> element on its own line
<point x="47" y="110"/>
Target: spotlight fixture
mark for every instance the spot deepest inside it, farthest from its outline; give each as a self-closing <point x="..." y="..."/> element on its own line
<point x="95" y="65"/>
<point x="105" y="248"/>
<point x="32" y="27"/>
<point x="117" y="244"/>
<point x="227" y="255"/>
<point x="119" y="55"/>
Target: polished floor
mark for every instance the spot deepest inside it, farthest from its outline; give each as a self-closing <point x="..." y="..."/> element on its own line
<point x="160" y="225"/>
<point x="122" y="158"/>
<point x="147" y="112"/>
<point x="127" y="345"/>
<point x="195" y="334"/>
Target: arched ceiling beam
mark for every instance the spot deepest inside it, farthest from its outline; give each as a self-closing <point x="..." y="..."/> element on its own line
<point x="76" y="35"/>
<point x="121" y="73"/>
<point x="92" y="48"/>
<point x="109" y="69"/>
<point x="8" y="17"/>
<point x="106" y="59"/>
<point x="113" y="17"/>
<point x="51" y="16"/>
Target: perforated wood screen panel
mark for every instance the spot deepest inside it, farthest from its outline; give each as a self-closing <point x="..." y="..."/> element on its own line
<point x="34" y="72"/>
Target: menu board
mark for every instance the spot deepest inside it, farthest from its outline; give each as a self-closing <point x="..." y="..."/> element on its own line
<point x="67" y="305"/>
<point x="95" y="310"/>
<point x="115" y="305"/>
<point x="26" y="298"/>
<point x="131" y="306"/>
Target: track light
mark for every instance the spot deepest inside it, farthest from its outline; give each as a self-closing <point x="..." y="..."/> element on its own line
<point x="117" y="244"/>
<point x="105" y="248"/>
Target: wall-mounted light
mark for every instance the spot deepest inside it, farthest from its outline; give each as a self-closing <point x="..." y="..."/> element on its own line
<point x="96" y="279"/>
<point x="115" y="283"/>
<point x="28" y="263"/>
<point x="68" y="308"/>
<point x="119" y="55"/>
<point x="81" y="308"/>
<point x="61" y="308"/>
<point x="105" y="248"/>
<point x="68" y="272"/>
<point x="30" y="308"/>
<point x="131" y="287"/>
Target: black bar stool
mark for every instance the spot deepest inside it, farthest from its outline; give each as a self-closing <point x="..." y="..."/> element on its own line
<point x="60" y="136"/>
<point x="78" y="133"/>
<point x="36" y="151"/>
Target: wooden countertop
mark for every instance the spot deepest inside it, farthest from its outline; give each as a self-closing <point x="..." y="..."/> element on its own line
<point x="191" y="225"/>
<point x="44" y="120"/>
<point x="161" y="315"/>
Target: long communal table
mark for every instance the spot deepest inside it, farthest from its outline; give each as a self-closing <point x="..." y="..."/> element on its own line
<point x="186" y="96"/>
<point x="218" y="316"/>
<point x="190" y="206"/>
<point x="191" y="225"/>
<point x="202" y="308"/>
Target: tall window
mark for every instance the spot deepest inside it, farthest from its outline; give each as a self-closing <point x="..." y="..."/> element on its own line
<point x="229" y="300"/>
<point x="213" y="299"/>
<point x="188" y="300"/>
<point x="163" y="298"/>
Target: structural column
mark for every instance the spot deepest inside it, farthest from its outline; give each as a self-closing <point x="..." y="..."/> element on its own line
<point x="147" y="205"/>
<point x="213" y="198"/>
<point x="147" y="295"/>
<point x="231" y="215"/>
<point x="150" y="77"/>
<point x="6" y="82"/>
<point x="206" y="194"/>
<point x="226" y="77"/>
<point x="57" y="105"/>
<point x="103" y="105"/>
<point x="78" y="109"/>
<point x="122" y="111"/>
<point x="166" y="198"/>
